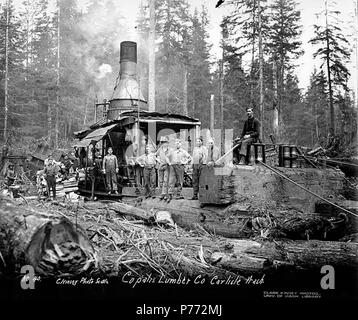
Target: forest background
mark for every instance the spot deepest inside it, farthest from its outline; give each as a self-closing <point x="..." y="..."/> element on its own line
<point x="57" y="58"/>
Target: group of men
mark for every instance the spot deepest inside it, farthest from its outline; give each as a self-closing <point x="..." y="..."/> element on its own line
<point x="168" y="162"/>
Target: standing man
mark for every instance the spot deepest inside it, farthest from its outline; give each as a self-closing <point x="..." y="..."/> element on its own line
<point x="178" y="159"/>
<point x="148" y="161"/>
<point x="10" y="175"/>
<point x="110" y="169"/>
<point x="163" y="167"/>
<point x="249" y="135"/>
<point x="213" y="152"/>
<point x="200" y="154"/>
<point x="51" y="170"/>
<point x="95" y="171"/>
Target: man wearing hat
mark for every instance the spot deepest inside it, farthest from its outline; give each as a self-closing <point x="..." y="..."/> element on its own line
<point x="163" y="167"/>
<point x="148" y="161"/>
<point x="51" y="170"/>
<point x="200" y="154"/>
<point x="250" y="134"/>
<point x="178" y="157"/>
<point x="213" y="152"/>
<point x="10" y="175"/>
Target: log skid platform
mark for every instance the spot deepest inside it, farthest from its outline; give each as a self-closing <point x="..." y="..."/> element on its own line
<point x="238" y="183"/>
<point x="231" y="197"/>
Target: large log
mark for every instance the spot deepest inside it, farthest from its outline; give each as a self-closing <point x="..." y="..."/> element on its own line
<point x="241" y="221"/>
<point x="189" y="214"/>
<point x="51" y="244"/>
<point x="247" y="256"/>
<point x="240" y="256"/>
<point x="225" y="185"/>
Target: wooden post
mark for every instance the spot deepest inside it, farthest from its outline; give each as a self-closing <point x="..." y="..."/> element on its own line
<point x="212" y="114"/>
<point x="85" y="113"/>
<point x="222" y="101"/>
<point x="93" y="182"/>
<point x="185" y="91"/>
<point x="58" y="77"/>
<point x="95" y="110"/>
<point x="275" y="124"/>
<point x="356" y="52"/>
<point x="151" y="71"/>
<point x="6" y="107"/>
<point x="86" y="167"/>
<point x="330" y="89"/>
<point x="261" y="71"/>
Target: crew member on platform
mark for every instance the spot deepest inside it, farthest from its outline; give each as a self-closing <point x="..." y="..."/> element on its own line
<point x="110" y="168"/>
<point x="250" y="134"/>
<point x="148" y="161"/>
<point x="51" y="171"/>
<point x="178" y="159"/>
<point x="163" y="167"/>
<point x="200" y="154"/>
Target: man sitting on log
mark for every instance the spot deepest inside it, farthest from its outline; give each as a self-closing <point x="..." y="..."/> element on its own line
<point x="250" y="134"/>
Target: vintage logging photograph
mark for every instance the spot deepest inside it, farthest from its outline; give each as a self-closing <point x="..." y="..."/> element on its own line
<point x="203" y="150"/>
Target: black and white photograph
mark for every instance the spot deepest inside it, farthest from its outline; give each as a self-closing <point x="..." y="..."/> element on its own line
<point x="179" y="158"/>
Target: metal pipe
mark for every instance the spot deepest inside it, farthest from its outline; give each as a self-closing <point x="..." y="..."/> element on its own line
<point x="223" y="156"/>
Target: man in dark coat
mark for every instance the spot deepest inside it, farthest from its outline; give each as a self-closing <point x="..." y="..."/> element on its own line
<point x="250" y="134"/>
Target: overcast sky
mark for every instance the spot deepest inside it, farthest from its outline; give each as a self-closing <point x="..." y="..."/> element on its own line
<point x="308" y="8"/>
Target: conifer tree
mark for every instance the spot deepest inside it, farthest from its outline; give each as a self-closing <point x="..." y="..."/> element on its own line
<point x="332" y="51"/>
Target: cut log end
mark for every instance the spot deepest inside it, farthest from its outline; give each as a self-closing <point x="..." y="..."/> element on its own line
<point x="60" y="248"/>
<point x="53" y="246"/>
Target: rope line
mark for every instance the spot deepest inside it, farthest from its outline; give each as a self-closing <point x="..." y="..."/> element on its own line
<point x="335" y="161"/>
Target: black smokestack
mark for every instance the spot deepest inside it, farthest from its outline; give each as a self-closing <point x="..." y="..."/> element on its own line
<point x="128" y="51"/>
<point x="127" y="94"/>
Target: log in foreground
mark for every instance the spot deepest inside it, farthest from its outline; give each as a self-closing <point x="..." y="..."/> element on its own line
<point x="243" y="221"/>
<point x="254" y="256"/>
<point x="249" y="256"/>
<point x="219" y="220"/>
<point x="53" y="245"/>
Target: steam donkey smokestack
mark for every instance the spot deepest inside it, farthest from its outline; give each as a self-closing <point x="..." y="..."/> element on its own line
<point x="127" y="94"/>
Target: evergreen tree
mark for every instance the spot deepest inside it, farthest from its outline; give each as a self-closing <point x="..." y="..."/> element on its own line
<point x="334" y="55"/>
<point x="316" y="100"/>
<point x="284" y="46"/>
<point x="243" y="32"/>
<point x="15" y="56"/>
<point x="199" y="82"/>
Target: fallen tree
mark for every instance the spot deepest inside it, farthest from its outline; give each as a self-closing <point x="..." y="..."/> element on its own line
<point x="130" y="238"/>
<point x="52" y="244"/>
<point x="243" y="220"/>
<point x="248" y="256"/>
